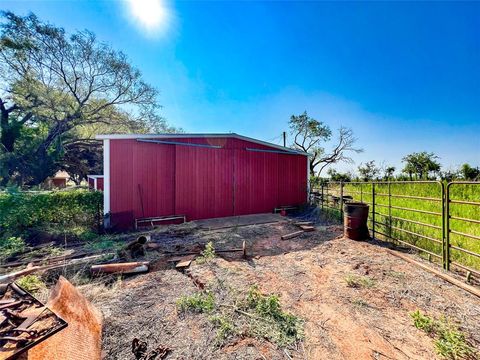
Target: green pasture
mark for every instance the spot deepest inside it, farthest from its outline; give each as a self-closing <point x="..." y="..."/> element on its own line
<point x="401" y="216"/>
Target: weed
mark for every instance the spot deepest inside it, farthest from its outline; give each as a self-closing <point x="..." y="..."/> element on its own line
<point x="276" y="325"/>
<point x="360" y="303"/>
<point x="10" y="246"/>
<point x="450" y="342"/>
<point x="202" y="302"/>
<point x="358" y="282"/>
<point x="31" y="283"/>
<point x="207" y="254"/>
<point x="423" y="322"/>
<point x="225" y="327"/>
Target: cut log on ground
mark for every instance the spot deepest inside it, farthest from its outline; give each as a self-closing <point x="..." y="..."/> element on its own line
<point x="292" y="235"/>
<point x="121" y="268"/>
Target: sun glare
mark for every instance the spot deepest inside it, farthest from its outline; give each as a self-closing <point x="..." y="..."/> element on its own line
<point x="152" y="16"/>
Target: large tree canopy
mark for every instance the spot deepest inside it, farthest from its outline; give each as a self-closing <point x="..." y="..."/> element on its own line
<point x="310" y="135"/>
<point x="421" y="165"/>
<point x="54" y="87"/>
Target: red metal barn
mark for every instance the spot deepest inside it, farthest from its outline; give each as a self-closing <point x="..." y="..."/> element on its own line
<point x="95" y="182"/>
<point x="199" y="176"/>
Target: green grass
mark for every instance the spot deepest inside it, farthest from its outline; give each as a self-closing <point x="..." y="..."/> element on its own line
<point x="202" y="302"/>
<point x="358" y="282"/>
<point x="395" y="223"/>
<point x="450" y="342"/>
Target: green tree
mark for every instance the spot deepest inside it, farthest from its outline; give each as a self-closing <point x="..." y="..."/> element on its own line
<point x="421" y="165"/>
<point x="469" y="173"/>
<point x="369" y="171"/>
<point x="52" y="83"/>
<point x="388" y="173"/>
<point x="339" y="177"/>
<point x="310" y="135"/>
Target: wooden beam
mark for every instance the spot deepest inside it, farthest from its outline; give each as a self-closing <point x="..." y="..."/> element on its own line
<point x="292" y="235"/>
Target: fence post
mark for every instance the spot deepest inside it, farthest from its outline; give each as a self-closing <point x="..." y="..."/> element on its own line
<point x="389" y="211"/>
<point x="446" y="226"/>
<point x="321" y="199"/>
<point x="341" y="199"/>
<point x="361" y="192"/>
<point x="373" y="210"/>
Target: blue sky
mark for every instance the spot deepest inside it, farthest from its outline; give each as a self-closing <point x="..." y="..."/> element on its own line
<point x="404" y="76"/>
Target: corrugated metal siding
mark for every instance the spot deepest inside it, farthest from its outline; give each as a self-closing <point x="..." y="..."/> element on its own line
<point x="201" y="182"/>
<point x="100" y="184"/>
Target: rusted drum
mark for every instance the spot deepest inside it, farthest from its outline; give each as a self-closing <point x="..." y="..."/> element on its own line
<point x="355" y="220"/>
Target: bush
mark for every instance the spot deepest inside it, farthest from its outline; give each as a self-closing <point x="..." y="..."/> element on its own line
<point x="21" y="212"/>
<point x="10" y="246"/>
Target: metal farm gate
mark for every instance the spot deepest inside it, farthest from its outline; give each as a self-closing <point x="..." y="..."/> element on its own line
<point x="440" y="220"/>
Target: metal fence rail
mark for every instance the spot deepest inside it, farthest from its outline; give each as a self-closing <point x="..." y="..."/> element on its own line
<point x="438" y="219"/>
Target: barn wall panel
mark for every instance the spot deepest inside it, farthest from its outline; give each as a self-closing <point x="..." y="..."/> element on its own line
<point x="201" y="182"/>
<point x="121" y="183"/>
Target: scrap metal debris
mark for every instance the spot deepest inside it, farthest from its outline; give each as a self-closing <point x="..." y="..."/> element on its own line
<point x="140" y="350"/>
<point x="24" y="321"/>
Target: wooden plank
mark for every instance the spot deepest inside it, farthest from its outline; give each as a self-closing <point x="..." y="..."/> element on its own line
<point x="181" y="258"/>
<point x="300" y="223"/>
<point x="183" y="264"/>
<point x="307" y="228"/>
<point x="292" y="235"/>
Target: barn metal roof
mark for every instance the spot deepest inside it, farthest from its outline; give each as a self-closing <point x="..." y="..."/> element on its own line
<point x="183" y="136"/>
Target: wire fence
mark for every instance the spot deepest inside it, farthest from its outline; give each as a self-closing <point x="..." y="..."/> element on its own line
<point x="441" y="221"/>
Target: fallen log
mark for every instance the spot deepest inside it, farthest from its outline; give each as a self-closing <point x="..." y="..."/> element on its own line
<point x="292" y="235"/>
<point x="8" y="278"/>
<point x="121" y="268"/>
<point x="471" y="289"/>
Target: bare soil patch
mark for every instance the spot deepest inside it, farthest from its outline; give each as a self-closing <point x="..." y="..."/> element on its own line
<point x="312" y="274"/>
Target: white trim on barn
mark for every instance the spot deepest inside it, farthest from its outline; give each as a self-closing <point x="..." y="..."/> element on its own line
<point x="106" y="177"/>
<point x="180" y="136"/>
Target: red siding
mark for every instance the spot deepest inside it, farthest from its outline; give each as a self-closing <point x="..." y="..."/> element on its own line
<point x="100" y="183"/>
<point x="201" y="182"/>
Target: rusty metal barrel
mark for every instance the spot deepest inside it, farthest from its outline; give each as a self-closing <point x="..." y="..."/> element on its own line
<point x="355" y="220"/>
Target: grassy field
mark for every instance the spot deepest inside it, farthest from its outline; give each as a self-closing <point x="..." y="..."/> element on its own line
<point x="422" y="225"/>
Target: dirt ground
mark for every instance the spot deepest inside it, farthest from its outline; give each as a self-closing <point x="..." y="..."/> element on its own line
<point x="308" y="272"/>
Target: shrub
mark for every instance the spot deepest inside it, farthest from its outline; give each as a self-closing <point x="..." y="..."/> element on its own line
<point x="10" y="246"/>
<point x="21" y="212"/>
